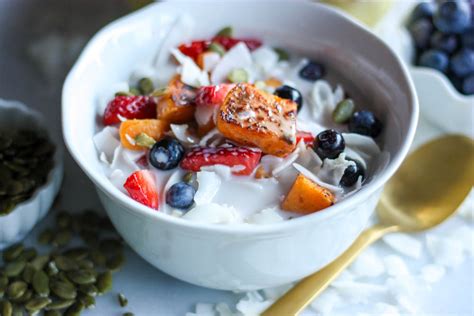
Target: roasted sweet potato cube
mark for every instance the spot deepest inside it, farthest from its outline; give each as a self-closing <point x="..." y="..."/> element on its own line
<point x="306" y="197"/>
<point x="177" y="106"/>
<point x="256" y="118"/>
<point x="130" y="129"/>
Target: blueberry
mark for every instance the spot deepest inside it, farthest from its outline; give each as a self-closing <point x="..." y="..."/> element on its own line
<point x="287" y="92"/>
<point x="180" y="195"/>
<point x="329" y="144"/>
<point x="435" y="59"/>
<point x="421" y="31"/>
<point x="423" y="10"/>
<point x="468" y="85"/>
<point x="352" y="174"/>
<point x="453" y="16"/>
<point x="462" y="63"/>
<point x="365" y="123"/>
<point x="312" y="71"/>
<point x="166" y="154"/>
<point x="467" y="38"/>
<point x="445" y="42"/>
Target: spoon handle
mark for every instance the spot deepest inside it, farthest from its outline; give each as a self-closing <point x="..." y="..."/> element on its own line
<point x="305" y="291"/>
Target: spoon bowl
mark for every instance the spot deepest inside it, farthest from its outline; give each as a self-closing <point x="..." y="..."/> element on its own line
<point x="428" y="188"/>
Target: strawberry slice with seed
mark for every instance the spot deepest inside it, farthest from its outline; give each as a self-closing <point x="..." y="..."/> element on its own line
<point x="141" y="187"/>
<point x="129" y="107"/>
<point x="242" y="159"/>
<point x="307" y="137"/>
<point x="212" y="95"/>
<point x="229" y="42"/>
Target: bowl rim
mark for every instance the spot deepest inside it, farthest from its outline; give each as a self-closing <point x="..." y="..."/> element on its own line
<point x="57" y="169"/>
<point x="131" y="205"/>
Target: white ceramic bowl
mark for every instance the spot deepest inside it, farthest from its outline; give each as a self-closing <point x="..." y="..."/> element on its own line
<point x="440" y="102"/>
<point x="242" y="257"/>
<point x="16" y="225"/>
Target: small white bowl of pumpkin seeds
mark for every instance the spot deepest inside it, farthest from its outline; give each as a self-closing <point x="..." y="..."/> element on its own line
<point x="31" y="170"/>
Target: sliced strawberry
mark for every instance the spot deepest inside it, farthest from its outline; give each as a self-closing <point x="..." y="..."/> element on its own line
<point x="129" y="107"/>
<point x="243" y="157"/>
<point x="229" y="42"/>
<point x="307" y="137"/>
<point x="212" y="95"/>
<point x="194" y="49"/>
<point x="141" y="187"/>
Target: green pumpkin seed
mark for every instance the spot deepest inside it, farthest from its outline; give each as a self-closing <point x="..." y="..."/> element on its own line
<point x="115" y="262"/>
<point x="63" y="219"/>
<point x="12" y="252"/>
<point x="62" y="238"/>
<point x="17" y="310"/>
<point x="78" y="254"/>
<point x="3" y="284"/>
<point x="217" y="48"/>
<point x="28" y="273"/>
<point x="52" y="269"/>
<point x="37" y="304"/>
<point x="59" y="304"/>
<point x="75" y="310"/>
<point x="14" y="268"/>
<point x="188" y="177"/>
<point x="39" y="262"/>
<point x="134" y="91"/>
<point x="82" y="277"/>
<point x="89" y="289"/>
<point x="123" y="94"/>
<point x="62" y="276"/>
<point x="128" y="314"/>
<point x="52" y="313"/>
<point x="98" y="258"/>
<point x="123" y="301"/>
<point x="146" y="86"/>
<point x="238" y="75"/>
<point x="87" y="300"/>
<point x="144" y="140"/>
<point x="16" y="289"/>
<point x="46" y="237"/>
<point x="343" y="111"/>
<point x="159" y="92"/>
<point x="104" y="282"/>
<point x="65" y="264"/>
<point x="40" y="283"/>
<point x="85" y="264"/>
<point x="282" y="54"/>
<point x="6" y="308"/>
<point x="28" y="254"/>
<point x="17" y="188"/>
<point x="63" y="290"/>
<point x="24" y="298"/>
<point x="226" y="32"/>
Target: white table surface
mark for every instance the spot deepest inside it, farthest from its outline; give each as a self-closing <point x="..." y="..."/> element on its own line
<point x="150" y="292"/>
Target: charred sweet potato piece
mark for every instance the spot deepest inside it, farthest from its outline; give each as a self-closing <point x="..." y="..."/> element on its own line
<point x="255" y="118"/>
<point x="306" y="197"/>
<point x="176" y="105"/>
<point x="130" y="129"/>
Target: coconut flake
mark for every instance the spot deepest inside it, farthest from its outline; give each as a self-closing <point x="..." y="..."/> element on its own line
<point x="395" y="266"/>
<point x="213" y="213"/>
<point x="237" y="57"/>
<point x="384" y="309"/>
<point x="286" y="162"/>
<point x="368" y="264"/>
<point x="210" y="61"/>
<point x="445" y="251"/>
<point x="117" y="178"/>
<point x="326" y="301"/>
<point x="265" y="58"/>
<point x="209" y="183"/>
<point x="336" y="190"/>
<point x="125" y="160"/>
<point x="404" y="244"/>
<point x="322" y="99"/>
<point x="276" y="292"/>
<point x="106" y="141"/>
<point x="466" y="210"/>
<point x="358" y="292"/>
<point x="252" y="304"/>
<point x="333" y="169"/>
<point x="365" y="146"/>
<point x="180" y="131"/>
<point x="432" y="273"/>
<point x="191" y="74"/>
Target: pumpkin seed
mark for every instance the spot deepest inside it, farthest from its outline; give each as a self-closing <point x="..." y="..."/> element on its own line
<point x="160" y="92"/>
<point x="12" y="252"/>
<point x="46" y="237"/>
<point x="123" y="301"/>
<point x="89" y="289"/>
<point x="238" y="75"/>
<point x="52" y="313"/>
<point x="63" y="289"/>
<point x="85" y="264"/>
<point x="65" y="264"/>
<point x="17" y="310"/>
<point x="82" y="277"/>
<point x="7" y="308"/>
<point x="343" y="111"/>
<point x="104" y="282"/>
<point x="123" y="94"/>
<point x="115" y="262"/>
<point x="59" y="304"/>
<point x="188" y="177"/>
<point x="146" y="86"/>
<point x="282" y="54"/>
<point x="78" y="254"/>
<point x="144" y="140"/>
<point x="217" y="48"/>
<point x="87" y="300"/>
<point x="3" y="284"/>
<point x="40" y="283"/>
<point x="134" y="91"/>
<point x="226" y="32"/>
<point x="128" y="314"/>
<point x="28" y="254"/>
<point x="16" y="289"/>
<point x="63" y="219"/>
<point x="75" y="310"/>
<point x="98" y="258"/>
<point x="39" y="262"/>
<point x="28" y="273"/>
<point x="62" y="238"/>
<point x="37" y="304"/>
<point x="14" y="268"/>
<point x="52" y="269"/>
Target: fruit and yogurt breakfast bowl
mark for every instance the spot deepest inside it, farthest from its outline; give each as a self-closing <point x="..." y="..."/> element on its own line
<point x="241" y="132"/>
<point x="243" y="238"/>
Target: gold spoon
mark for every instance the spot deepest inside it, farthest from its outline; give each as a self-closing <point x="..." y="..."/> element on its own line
<point x="427" y="189"/>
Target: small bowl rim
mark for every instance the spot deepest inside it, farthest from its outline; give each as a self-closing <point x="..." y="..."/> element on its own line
<point x="15" y="105"/>
<point x="238" y="229"/>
